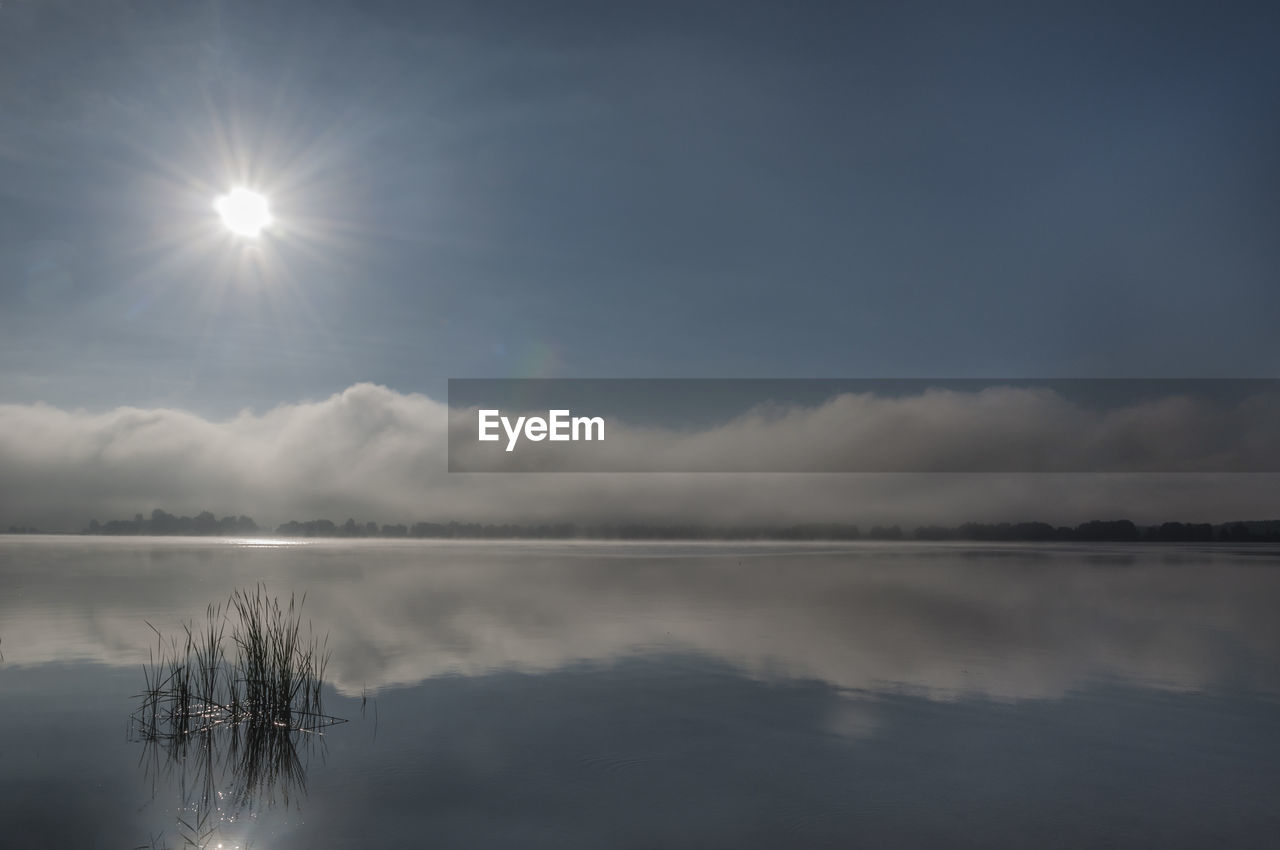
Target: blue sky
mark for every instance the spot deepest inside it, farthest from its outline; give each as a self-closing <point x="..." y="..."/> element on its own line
<point x="609" y="190"/>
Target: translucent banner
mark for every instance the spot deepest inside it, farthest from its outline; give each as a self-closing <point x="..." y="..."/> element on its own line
<point x="864" y="425"/>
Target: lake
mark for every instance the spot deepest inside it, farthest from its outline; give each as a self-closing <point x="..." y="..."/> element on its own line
<point x="664" y="695"/>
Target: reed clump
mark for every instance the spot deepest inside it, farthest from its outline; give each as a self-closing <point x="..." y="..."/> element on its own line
<point x="249" y="664"/>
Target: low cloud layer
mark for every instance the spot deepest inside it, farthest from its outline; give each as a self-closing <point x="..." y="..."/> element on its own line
<point x="373" y="453"/>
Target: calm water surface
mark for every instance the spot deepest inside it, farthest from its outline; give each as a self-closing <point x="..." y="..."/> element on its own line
<point x="646" y="695"/>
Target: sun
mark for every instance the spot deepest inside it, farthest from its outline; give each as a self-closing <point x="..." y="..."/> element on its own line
<point x="244" y="212"/>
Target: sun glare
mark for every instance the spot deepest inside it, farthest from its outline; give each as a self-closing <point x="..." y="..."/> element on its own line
<point x="244" y="213"/>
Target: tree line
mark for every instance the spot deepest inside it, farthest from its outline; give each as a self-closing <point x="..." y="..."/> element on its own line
<point x="1121" y="530"/>
<point x="203" y="524"/>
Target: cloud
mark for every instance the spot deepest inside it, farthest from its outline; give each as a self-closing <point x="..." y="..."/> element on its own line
<point x="372" y="453"/>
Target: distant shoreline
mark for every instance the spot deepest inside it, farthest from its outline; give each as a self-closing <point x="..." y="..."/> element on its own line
<point x="162" y="524"/>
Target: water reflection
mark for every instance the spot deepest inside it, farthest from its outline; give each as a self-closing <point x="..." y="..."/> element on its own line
<point x="1008" y="622"/>
<point x="221" y="777"/>
<point x="646" y="696"/>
